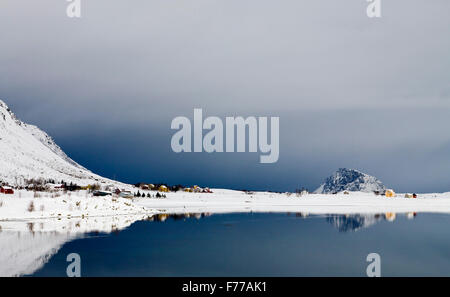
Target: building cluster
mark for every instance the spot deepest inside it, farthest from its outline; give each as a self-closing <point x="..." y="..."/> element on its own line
<point x="165" y="188"/>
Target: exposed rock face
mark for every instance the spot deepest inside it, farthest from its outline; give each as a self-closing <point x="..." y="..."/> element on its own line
<point x="350" y="180"/>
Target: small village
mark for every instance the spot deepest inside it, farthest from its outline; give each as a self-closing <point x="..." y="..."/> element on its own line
<point x="145" y="190"/>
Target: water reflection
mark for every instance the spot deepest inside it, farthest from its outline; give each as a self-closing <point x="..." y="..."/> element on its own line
<point x="25" y="247"/>
<point x="23" y="253"/>
<point x="177" y="217"/>
<point x="346" y="223"/>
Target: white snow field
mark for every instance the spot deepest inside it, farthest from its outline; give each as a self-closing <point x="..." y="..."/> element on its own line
<point x="83" y="205"/>
<point x="225" y="201"/>
<point x="24" y="205"/>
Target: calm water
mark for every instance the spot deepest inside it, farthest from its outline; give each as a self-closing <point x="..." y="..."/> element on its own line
<point x="264" y="245"/>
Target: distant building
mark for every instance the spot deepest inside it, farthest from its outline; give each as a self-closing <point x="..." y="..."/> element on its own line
<point x="163" y="188"/>
<point x="6" y="190"/>
<point x="390" y="193"/>
<point x="207" y="190"/>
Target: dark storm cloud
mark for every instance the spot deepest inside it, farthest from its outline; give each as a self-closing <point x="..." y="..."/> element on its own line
<point x="350" y="91"/>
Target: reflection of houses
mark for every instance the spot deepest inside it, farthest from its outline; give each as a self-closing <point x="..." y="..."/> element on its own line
<point x="162" y="217"/>
<point x="181" y="216"/>
<point x="390" y="216"/>
<point x="411" y="215"/>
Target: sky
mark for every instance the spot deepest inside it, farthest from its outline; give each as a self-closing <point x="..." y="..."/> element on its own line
<point x="350" y="91"/>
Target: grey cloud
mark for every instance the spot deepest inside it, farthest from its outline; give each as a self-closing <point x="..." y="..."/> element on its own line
<point x="350" y="91"/>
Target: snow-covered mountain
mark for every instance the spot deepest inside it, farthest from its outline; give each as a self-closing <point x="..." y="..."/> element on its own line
<point x="27" y="152"/>
<point x="350" y="180"/>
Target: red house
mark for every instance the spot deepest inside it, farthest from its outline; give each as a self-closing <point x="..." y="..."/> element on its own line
<point x="6" y="190"/>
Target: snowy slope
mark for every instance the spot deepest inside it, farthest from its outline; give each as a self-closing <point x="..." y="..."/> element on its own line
<point x="27" y="152"/>
<point x="350" y="180"/>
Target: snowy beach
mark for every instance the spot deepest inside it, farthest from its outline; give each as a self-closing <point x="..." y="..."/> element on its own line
<point x="26" y="205"/>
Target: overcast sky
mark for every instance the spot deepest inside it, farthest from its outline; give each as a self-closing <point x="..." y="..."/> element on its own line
<point x="371" y="94"/>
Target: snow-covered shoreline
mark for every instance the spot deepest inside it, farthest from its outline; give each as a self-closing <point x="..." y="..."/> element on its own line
<point x="225" y="201"/>
<point x="26" y="206"/>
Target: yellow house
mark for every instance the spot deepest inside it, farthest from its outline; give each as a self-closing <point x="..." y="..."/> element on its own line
<point x="390" y="193"/>
<point x="197" y="189"/>
<point x="163" y="189"/>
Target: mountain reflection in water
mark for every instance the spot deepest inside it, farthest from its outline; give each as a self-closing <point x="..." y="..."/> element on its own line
<point x="346" y="223"/>
<point x="26" y="247"/>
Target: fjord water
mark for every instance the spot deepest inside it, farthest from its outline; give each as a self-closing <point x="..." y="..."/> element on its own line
<point x="264" y="244"/>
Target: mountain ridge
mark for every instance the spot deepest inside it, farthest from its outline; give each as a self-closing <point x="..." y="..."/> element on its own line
<point x="28" y="153"/>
